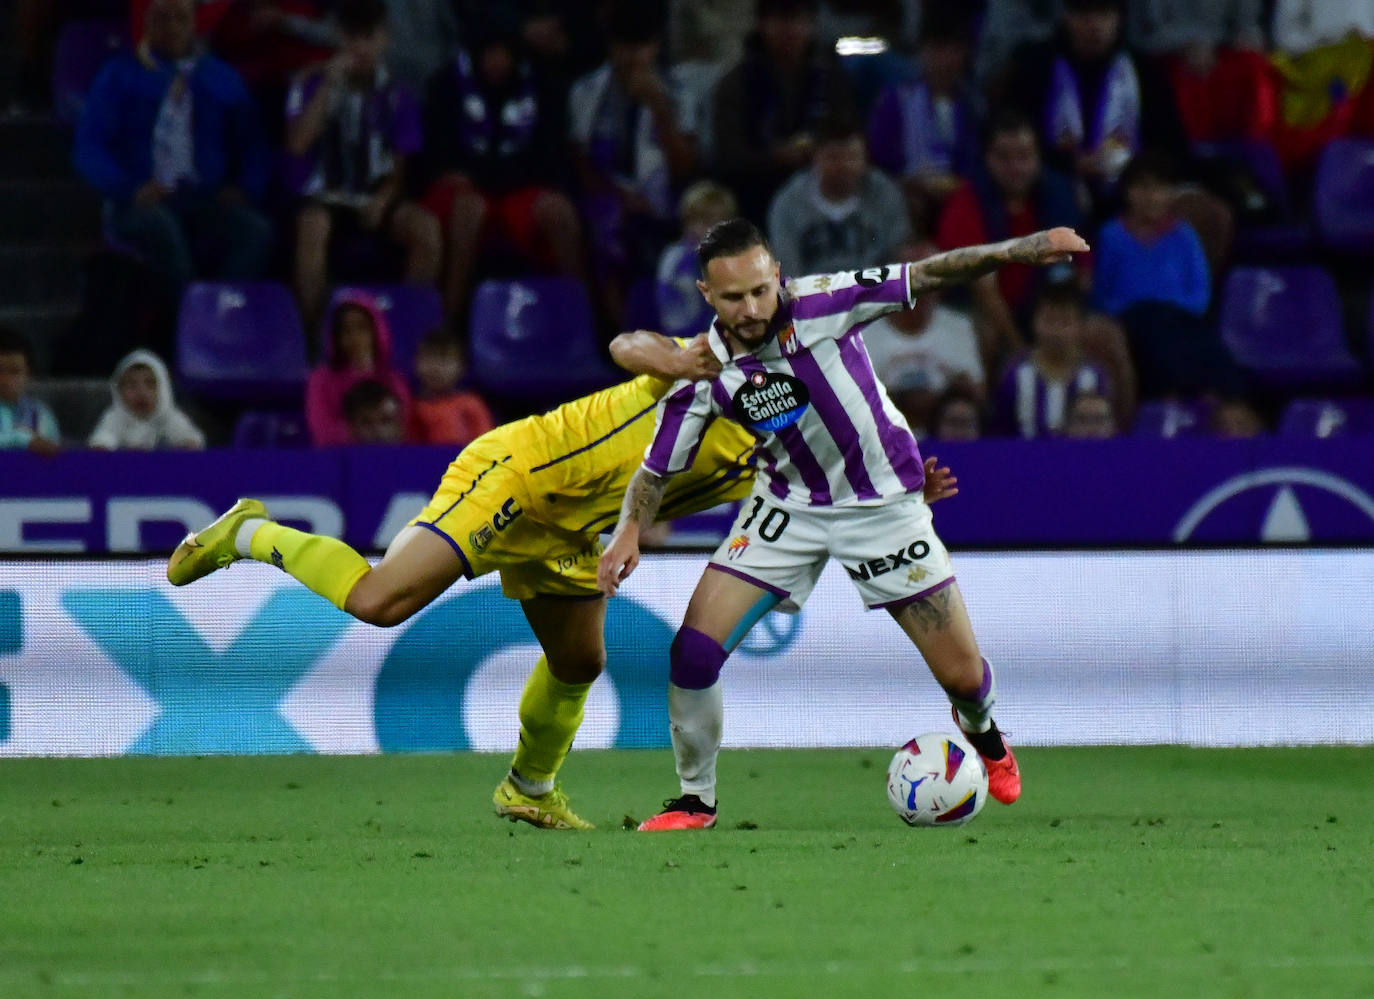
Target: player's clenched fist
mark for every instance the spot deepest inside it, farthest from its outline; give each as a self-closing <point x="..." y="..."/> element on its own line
<point x="618" y="560"/>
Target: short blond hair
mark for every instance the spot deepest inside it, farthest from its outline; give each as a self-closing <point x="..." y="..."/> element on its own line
<point x="706" y="203"/>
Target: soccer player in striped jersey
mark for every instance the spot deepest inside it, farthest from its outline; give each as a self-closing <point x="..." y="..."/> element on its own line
<point x="840" y="477"/>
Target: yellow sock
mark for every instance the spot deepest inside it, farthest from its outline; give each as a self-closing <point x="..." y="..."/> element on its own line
<point x="550" y="713"/>
<point x="326" y="565"/>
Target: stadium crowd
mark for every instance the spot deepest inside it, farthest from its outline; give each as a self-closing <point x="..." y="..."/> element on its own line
<point x="340" y="145"/>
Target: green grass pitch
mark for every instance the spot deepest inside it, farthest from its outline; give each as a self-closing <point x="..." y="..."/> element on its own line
<point x="1122" y="872"/>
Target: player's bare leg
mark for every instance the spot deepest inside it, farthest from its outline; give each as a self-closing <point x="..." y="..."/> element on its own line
<point x="722" y="610"/>
<point x="419" y="565"/>
<point x="939" y="625"/>
<point x="572" y="634"/>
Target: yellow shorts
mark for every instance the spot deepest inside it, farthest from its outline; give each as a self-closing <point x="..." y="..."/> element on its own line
<point x="479" y="509"/>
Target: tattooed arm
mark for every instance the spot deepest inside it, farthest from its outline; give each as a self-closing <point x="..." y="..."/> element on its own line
<point x="1049" y="246"/>
<point x="642" y="500"/>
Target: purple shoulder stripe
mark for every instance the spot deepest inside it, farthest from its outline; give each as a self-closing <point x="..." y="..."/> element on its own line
<point x="889" y="288"/>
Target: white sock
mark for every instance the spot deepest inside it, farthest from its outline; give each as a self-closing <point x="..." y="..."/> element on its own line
<point x="534" y="788"/>
<point x="696" y="718"/>
<point x="975" y="713"/>
<point x="243" y="540"/>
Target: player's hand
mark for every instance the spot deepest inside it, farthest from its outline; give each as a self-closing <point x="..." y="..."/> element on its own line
<point x="618" y="560"/>
<point x="696" y="360"/>
<point x="940" y="481"/>
<point x="1049" y="246"/>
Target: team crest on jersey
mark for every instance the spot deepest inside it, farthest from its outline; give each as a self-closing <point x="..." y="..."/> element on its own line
<point x="737" y="547"/>
<point x="787" y="340"/>
<point x="769" y="401"/>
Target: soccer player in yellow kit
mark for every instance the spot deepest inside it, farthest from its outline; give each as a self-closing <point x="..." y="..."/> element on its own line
<point x="527" y="500"/>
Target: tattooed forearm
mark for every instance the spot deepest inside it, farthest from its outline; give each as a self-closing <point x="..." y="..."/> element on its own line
<point x="969" y="262"/>
<point x="643" y="498"/>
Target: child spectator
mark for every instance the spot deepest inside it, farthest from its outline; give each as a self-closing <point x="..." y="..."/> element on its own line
<point x="170" y="137"/>
<point x="1090" y="417"/>
<point x="921" y="351"/>
<point x="681" y="309"/>
<point x="350" y="127"/>
<point x="374" y="414"/>
<point x="357" y="347"/>
<point x="25" y="422"/>
<point x="495" y="160"/>
<point x="1038" y="388"/>
<point x="143" y="415"/>
<point x="1151" y="274"/>
<point x="442" y="412"/>
<point x="840" y="214"/>
<point x="958" y="416"/>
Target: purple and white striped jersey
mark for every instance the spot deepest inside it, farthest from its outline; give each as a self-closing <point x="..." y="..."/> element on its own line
<point x="828" y="434"/>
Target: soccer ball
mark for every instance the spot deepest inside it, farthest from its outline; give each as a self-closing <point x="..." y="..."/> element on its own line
<point x="937" y="780"/>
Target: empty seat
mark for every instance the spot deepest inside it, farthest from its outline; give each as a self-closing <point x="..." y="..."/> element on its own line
<point x="1169" y="418"/>
<point x="270" y="428"/>
<point x="1327" y="417"/>
<point x="82" y="48"/>
<point x="411" y="312"/>
<point x="534" y="339"/>
<point x="241" y="342"/>
<point x="1343" y="198"/>
<point x="1283" y="324"/>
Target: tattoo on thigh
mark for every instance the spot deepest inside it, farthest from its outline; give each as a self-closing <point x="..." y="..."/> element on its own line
<point x="935" y="612"/>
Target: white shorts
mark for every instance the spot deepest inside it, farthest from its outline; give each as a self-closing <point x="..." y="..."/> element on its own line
<point x="891" y="551"/>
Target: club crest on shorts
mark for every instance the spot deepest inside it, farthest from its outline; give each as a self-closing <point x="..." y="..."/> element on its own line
<point x="481" y="538"/>
<point x="769" y="401"/>
<point x="737" y="547"/>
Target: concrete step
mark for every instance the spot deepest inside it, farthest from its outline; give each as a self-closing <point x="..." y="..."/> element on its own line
<point x="49" y="212"/>
<point x="35" y="148"/>
<point x="41" y="275"/>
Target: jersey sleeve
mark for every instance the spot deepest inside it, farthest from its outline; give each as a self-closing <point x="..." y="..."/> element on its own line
<point x="827" y="306"/>
<point x="680" y="423"/>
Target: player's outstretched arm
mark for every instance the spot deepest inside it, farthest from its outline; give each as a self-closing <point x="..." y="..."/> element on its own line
<point x="644" y="352"/>
<point x="1049" y="246"/>
<point x="643" y="497"/>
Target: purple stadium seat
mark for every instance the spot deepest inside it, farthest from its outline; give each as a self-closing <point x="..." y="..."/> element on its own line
<point x="534" y="339"/>
<point x="82" y="48"/>
<point x="1283" y="239"/>
<point x="410" y="310"/>
<point x="241" y="341"/>
<point x="1327" y="417"/>
<point x="1283" y="324"/>
<point x="641" y="307"/>
<point x="1343" y="199"/>
<point x="266" y="428"/>
<point x="1169" y="418"/>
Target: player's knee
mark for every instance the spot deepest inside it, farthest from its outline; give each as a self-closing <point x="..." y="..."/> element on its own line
<point x="695" y="660"/>
<point x="581" y="666"/>
<point x="377" y="607"/>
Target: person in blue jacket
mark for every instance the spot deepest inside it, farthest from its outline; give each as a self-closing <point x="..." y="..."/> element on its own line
<point x="170" y="136"/>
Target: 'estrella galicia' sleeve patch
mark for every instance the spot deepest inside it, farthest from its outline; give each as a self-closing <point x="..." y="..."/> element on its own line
<point x="769" y="401"/>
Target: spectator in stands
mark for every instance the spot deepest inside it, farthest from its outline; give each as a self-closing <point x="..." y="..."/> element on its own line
<point x="423" y="35"/>
<point x="1235" y="419"/>
<point x="633" y="140"/>
<point x="443" y="412"/>
<point x="1012" y="194"/>
<point x="840" y="214"/>
<point x="1303" y="25"/>
<point x="681" y="309"/>
<point x="357" y="347"/>
<point x="208" y="14"/>
<point x="1152" y="275"/>
<point x="920" y="352"/>
<point x="769" y="106"/>
<point x="25" y="422"/>
<point x="494" y="161"/>
<point x="350" y="128"/>
<point x="1038" y="387"/>
<point x="170" y="136"/>
<point x="374" y="413"/>
<point x="1090" y="417"/>
<point x="1007" y="26"/>
<point x="143" y="415"/>
<point x="925" y="131"/>
<point x="1212" y="53"/>
<point x="958" y="416"/>
<point x="1096" y="101"/>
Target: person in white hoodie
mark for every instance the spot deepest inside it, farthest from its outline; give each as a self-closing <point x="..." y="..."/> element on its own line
<point x="144" y="416"/>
